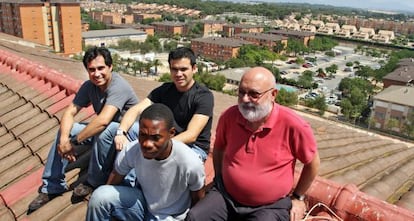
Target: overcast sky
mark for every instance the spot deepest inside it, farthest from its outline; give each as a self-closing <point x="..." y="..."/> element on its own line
<point x="394" y="5"/>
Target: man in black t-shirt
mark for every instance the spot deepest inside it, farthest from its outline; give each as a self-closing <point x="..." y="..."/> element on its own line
<point x="191" y="103"/>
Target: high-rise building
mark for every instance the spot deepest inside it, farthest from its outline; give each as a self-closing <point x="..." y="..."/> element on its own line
<point x="54" y="23"/>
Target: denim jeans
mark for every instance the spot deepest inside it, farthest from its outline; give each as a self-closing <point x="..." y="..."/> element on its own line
<point x="100" y="164"/>
<point x="123" y="203"/>
<point x="200" y="152"/>
<point x="120" y="202"/>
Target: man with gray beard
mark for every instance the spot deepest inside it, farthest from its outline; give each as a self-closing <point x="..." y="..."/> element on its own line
<point x="255" y="151"/>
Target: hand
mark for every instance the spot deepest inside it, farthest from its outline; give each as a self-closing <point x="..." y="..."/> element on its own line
<point x="120" y="142"/>
<point x="67" y="151"/>
<point x="298" y="210"/>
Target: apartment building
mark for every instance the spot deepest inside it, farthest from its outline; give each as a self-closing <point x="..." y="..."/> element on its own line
<point x="393" y="107"/>
<point x="170" y="28"/>
<point x="217" y="48"/>
<point x="212" y="28"/>
<point x="108" y="17"/>
<point x="302" y="36"/>
<point x="139" y="17"/>
<point x="262" y="39"/>
<point x="230" y="30"/>
<point x="56" y="24"/>
<point x="403" y="75"/>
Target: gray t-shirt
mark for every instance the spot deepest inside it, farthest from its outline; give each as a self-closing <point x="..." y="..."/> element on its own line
<point x="119" y="94"/>
<point x="166" y="184"/>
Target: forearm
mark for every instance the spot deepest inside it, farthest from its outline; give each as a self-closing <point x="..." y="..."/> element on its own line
<point x="96" y="126"/>
<point x="131" y="115"/>
<point x="308" y="174"/>
<point x="217" y="161"/>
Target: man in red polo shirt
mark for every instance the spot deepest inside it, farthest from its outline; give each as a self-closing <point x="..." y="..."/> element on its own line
<point x="255" y="151"/>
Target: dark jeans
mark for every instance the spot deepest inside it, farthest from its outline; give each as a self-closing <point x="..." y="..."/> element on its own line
<point x="217" y="205"/>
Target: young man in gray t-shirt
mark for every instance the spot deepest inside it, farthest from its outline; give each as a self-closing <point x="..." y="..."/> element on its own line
<point x="169" y="174"/>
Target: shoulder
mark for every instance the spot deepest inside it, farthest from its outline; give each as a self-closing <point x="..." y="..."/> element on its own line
<point x="183" y="154"/>
<point x="201" y="88"/>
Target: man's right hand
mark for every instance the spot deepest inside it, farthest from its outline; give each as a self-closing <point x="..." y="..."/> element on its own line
<point x="67" y="151"/>
<point x="120" y="142"/>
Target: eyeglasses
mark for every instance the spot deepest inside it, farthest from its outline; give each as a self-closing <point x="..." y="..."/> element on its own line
<point x="253" y="94"/>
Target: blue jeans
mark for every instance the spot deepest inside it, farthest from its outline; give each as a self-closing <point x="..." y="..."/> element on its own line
<point x="120" y="202"/>
<point x="100" y="164"/>
<point x="200" y="152"/>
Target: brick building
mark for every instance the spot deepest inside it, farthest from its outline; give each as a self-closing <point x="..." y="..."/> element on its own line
<point x="230" y="30"/>
<point x="217" y="48"/>
<point x="262" y="39"/>
<point x="170" y="28"/>
<point x="302" y="36"/>
<point x="52" y="23"/>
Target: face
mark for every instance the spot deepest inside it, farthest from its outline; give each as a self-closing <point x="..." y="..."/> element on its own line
<point x="255" y="98"/>
<point x="182" y="73"/>
<point x="155" y="139"/>
<point x="99" y="73"/>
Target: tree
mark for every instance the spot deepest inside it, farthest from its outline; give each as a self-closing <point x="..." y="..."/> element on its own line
<point x="305" y="80"/>
<point x="364" y="72"/>
<point x="286" y="98"/>
<point x="156" y="63"/>
<point x="331" y="69"/>
<point x="295" y="46"/>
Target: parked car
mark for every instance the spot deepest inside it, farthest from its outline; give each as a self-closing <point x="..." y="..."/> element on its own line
<point x="306" y="65"/>
<point x="291" y="61"/>
<point x="283" y="73"/>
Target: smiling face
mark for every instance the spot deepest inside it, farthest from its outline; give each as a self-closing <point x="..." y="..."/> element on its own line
<point x="99" y="73"/>
<point x="182" y="73"/>
<point x="155" y="139"/>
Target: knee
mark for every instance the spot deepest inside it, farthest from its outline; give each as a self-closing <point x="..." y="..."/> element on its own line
<point x="102" y="196"/>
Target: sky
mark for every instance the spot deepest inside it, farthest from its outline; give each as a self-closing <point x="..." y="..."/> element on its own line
<point x="388" y="5"/>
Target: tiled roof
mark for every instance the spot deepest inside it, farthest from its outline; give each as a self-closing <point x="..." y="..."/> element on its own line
<point x="397" y="94"/>
<point x="360" y="170"/>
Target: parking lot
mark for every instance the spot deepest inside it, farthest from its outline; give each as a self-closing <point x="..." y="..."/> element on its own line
<point x="327" y="86"/>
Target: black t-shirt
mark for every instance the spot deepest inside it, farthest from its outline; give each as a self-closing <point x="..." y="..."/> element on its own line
<point x="197" y="100"/>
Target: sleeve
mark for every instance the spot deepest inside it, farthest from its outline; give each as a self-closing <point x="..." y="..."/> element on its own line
<point x="197" y="176"/>
<point x="120" y="94"/>
<point x="304" y="145"/>
<point x="155" y="95"/>
<point x="82" y="96"/>
<point x="124" y="160"/>
<point x="204" y="103"/>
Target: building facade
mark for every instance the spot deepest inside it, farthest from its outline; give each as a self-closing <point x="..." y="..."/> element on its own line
<point x="52" y="23"/>
<point x="393" y="108"/>
<point x="217" y="48"/>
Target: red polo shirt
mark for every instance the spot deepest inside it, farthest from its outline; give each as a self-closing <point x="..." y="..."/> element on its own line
<point x="258" y="166"/>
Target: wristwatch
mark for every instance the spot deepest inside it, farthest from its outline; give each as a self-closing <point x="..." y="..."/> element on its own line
<point x="298" y="197"/>
<point x="120" y="132"/>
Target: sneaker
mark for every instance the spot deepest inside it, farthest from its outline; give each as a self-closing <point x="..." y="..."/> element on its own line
<point x="82" y="190"/>
<point x="40" y="200"/>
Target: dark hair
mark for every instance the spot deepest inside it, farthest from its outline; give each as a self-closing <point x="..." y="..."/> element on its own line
<point x="160" y="112"/>
<point x="182" y="52"/>
<point x="94" y="52"/>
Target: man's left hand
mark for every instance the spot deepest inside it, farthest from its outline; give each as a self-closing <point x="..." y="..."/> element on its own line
<point x="298" y="210"/>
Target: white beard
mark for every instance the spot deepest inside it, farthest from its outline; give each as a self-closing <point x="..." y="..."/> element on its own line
<point x="255" y="112"/>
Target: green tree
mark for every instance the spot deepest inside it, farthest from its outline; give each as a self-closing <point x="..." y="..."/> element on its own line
<point x="286" y="98"/>
<point x="165" y="78"/>
<point x="295" y="46"/>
